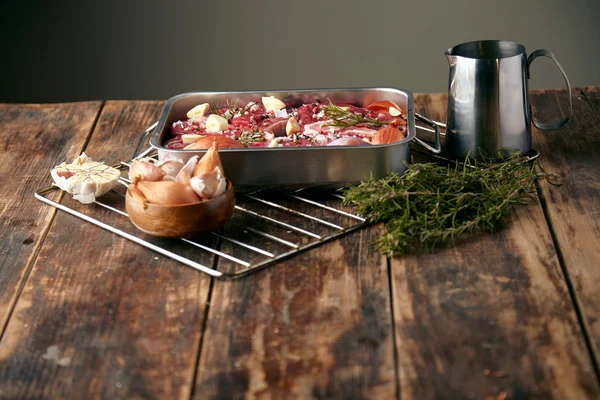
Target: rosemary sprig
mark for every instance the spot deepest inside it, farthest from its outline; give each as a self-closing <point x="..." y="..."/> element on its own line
<point x="430" y="203"/>
<point x="247" y="137"/>
<point x="345" y="119"/>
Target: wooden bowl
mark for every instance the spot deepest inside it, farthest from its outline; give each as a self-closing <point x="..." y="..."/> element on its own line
<point x="184" y="220"/>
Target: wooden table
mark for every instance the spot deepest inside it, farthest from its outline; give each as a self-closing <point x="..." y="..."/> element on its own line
<point x="87" y="314"/>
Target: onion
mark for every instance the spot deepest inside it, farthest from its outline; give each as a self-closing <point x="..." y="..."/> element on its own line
<point x="165" y="192"/>
<point x="145" y="170"/>
<point x="171" y="168"/>
<point x="209" y="185"/>
<point x="187" y="171"/>
<point x="208" y="180"/>
<point x="386" y="135"/>
<point x="385" y="106"/>
<point x="223" y="142"/>
<point x="136" y="193"/>
<point x="209" y="161"/>
<point x="348" y="141"/>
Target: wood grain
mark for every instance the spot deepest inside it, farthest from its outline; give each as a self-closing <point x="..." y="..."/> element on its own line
<point x="491" y="317"/>
<point x="315" y="326"/>
<point x="34" y="139"/>
<point x="101" y="317"/>
<point x="573" y="207"/>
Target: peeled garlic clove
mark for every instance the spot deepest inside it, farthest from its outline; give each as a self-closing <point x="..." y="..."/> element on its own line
<point x="171" y="168"/>
<point x="209" y="185"/>
<point x="167" y="193"/>
<point x="199" y="111"/>
<point x="215" y="123"/>
<point x="185" y="174"/>
<point x="146" y="171"/>
<point x="272" y="103"/>
<point x="386" y="135"/>
<point x="274" y="142"/>
<point x="209" y="161"/>
<point x="394" y="112"/>
<point x="188" y="138"/>
<point x="292" y="126"/>
<point x="85" y="179"/>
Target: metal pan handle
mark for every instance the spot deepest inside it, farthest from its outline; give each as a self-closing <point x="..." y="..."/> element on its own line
<point x="564" y="122"/>
<point x="136" y="154"/>
<point x="438" y="145"/>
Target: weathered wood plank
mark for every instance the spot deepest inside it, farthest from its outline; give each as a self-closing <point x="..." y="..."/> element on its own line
<point x="315" y="326"/>
<point x="101" y="317"/>
<point x="34" y="138"/>
<point x="489" y="317"/>
<point x="573" y="208"/>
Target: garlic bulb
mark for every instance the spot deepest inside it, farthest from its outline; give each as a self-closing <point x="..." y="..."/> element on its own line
<point x="85" y="179"/>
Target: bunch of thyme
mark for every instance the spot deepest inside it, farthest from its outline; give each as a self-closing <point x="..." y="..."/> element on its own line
<point x="430" y="203"/>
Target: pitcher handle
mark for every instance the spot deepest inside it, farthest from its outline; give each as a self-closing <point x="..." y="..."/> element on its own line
<point x="564" y="122"/>
<point x="438" y="144"/>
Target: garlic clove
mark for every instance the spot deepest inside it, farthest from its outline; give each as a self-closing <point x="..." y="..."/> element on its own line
<point x="394" y="112"/>
<point x="185" y="174"/>
<point x="210" y="184"/>
<point x="209" y="161"/>
<point x="165" y="193"/>
<point x="145" y="171"/>
<point x="274" y="142"/>
<point x="188" y="138"/>
<point x="171" y="168"/>
<point x="272" y="103"/>
<point x="85" y="179"/>
<point x="199" y="111"/>
<point x="292" y="126"/>
<point x="215" y="123"/>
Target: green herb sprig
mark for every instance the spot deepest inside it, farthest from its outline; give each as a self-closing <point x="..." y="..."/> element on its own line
<point x="430" y="203"/>
<point x="345" y="119"/>
<point x="248" y="137"/>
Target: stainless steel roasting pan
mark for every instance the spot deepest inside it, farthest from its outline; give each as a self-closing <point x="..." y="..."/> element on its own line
<point x="298" y="166"/>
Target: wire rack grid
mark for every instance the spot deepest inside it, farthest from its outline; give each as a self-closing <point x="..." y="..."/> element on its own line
<point x="267" y="226"/>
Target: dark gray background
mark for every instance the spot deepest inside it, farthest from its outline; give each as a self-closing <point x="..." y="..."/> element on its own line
<point x="78" y="50"/>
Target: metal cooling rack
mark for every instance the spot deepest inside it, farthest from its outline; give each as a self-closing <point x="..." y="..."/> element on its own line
<point x="267" y="226"/>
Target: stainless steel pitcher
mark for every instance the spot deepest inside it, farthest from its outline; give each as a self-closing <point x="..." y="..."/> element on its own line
<point x="488" y="106"/>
